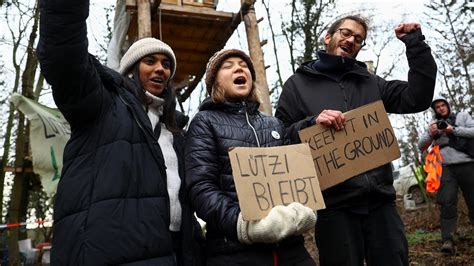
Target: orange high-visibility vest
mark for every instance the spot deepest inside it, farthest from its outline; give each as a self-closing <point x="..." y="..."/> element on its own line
<point x="434" y="169"/>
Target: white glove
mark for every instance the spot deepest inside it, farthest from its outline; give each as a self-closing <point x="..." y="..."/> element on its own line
<point x="305" y="218"/>
<point x="281" y="222"/>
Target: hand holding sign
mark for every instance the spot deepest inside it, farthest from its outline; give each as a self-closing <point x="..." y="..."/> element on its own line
<point x="366" y="141"/>
<point x="331" y="118"/>
<point x="280" y="223"/>
<point x="267" y="177"/>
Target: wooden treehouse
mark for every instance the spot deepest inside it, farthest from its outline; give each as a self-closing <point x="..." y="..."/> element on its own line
<point x="195" y="31"/>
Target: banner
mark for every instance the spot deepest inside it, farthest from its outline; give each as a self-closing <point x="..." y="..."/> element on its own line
<point x="267" y="177"/>
<point x="49" y="132"/>
<point x="366" y="142"/>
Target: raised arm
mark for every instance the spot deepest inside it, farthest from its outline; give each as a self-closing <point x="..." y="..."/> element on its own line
<point x="65" y="61"/>
<point x="414" y="95"/>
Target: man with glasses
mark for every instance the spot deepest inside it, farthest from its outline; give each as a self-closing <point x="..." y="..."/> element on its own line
<point x="360" y="221"/>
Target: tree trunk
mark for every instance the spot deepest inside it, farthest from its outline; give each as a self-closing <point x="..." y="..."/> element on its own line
<point x="256" y="54"/>
<point x="6" y="154"/>
<point x="19" y="196"/>
<point x="144" y="18"/>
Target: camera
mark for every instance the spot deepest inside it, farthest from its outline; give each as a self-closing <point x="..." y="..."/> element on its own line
<point x="441" y="124"/>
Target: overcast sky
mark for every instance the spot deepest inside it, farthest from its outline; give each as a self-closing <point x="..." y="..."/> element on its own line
<point x="382" y="10"/>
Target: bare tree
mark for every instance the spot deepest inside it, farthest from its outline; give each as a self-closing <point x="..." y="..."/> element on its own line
<point x="452" y="20"/>
<point x="19" y="197"/>
<point x="289" y="31"/>
<point x="17" y="34"/>
<point x="414" y="127"/>
<point x="312" y="19"/>
<point x="308" y="21"/>
<point x="380" y="41"/>
<point x="279" y="83"/>
<point x="104" y="40"/>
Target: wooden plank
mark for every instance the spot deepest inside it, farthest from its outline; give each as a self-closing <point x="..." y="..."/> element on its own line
<point x="197" y="4"/>
<point x="131" y="4"/>
<point x="204" y="13"/>
<point x="12" y="169"/>
<point x="212" y="38"/>
<point x="172" y="2"/>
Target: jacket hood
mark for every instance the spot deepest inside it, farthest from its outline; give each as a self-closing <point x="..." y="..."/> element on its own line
<point x="440" y="98"/>
<point x="233" y="107"/>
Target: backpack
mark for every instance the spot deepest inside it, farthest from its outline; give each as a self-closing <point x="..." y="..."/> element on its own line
<point x="462" y="144"/>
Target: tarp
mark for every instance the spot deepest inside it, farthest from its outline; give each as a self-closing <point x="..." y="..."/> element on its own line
<point x="117" y="42"/>
<point x="49" y="132"/>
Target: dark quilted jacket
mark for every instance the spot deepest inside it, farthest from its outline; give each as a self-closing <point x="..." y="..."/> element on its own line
<point x="112" y="206"/>
<point x="215" y="129"/>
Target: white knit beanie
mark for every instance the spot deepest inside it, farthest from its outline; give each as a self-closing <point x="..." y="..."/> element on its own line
<point x="144" y="47"/>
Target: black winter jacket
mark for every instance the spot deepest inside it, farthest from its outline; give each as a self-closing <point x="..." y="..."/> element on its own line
<point x="112" y="205"/>
<point x="315" y="87"/>
<point x="213" y="130"/>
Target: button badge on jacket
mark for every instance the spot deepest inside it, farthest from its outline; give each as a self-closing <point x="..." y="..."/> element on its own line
<point x="275" y="135"/>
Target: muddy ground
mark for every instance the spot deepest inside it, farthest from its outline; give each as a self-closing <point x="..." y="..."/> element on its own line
<point x="424" y="238"/>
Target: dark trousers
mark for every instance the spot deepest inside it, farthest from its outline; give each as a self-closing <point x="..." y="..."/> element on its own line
<point x="453" y="178"/>
<point x="264" y="255"/>
<point x="347" y="238"/>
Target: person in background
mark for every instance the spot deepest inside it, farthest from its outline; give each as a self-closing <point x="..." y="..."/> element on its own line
<point x="119" y="200"/>
<point x="360" y="221"/>
<point x="449" y="131"/>
<point x="230" y="118"/>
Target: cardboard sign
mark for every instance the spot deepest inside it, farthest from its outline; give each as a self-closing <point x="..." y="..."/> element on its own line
<point x="367" y="141"/>
<point x="267" y="177"/>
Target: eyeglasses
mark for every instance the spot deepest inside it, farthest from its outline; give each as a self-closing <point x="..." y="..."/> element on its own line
<point x="347" y="33"/>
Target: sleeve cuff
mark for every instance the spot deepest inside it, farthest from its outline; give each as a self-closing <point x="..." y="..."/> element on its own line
<point x="413" y="38"/>
<point x="311" y="121"/>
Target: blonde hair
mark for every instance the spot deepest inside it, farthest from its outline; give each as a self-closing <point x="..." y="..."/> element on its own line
<point x="218" y="94"/>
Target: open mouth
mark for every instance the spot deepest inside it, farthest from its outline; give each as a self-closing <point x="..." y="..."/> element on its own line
<point x="346" y="49"/>
<point x="240" y="80"/>
<point x="157" y="80"/>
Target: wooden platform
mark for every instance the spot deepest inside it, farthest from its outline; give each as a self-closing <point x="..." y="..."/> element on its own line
<point x="194" y="32"/>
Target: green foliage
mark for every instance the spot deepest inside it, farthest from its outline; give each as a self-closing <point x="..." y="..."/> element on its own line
<point x="421" y="236"/>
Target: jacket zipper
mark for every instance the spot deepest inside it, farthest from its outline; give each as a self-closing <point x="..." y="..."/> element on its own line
<point x="346" y="109"/>
<point x="136" y="119"/>
<point x="367" y="179"/>
<point x="144" y="130"/>
<point x="248" y="122"/>
<point x="344" y="95"/>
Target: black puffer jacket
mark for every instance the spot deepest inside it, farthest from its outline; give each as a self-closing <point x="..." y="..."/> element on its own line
<point x="341" y="83"/>
<point x="112" y="205"/>
<point x="215" y="129"/>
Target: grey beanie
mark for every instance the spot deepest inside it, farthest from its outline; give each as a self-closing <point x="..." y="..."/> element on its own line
<point x="144" y="47"/>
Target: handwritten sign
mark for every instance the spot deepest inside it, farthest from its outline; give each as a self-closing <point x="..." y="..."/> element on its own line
<point x="367" y="141"/>
<point x="267" y="177"/>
